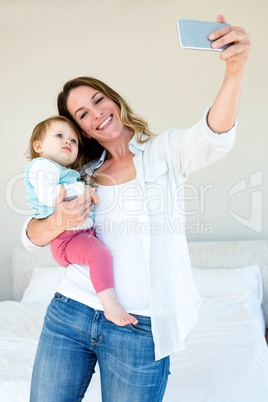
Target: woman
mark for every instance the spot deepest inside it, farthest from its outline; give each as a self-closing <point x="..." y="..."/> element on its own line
<point x="138" y="177"/>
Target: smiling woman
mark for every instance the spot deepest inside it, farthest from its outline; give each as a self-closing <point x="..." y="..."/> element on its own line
<point x="152" y="271"/>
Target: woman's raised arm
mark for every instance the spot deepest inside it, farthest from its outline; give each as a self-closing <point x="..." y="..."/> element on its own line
<point x="223" y="112"/>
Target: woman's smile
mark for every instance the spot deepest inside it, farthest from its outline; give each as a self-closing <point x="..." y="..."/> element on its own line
<point x="105" y="123"/>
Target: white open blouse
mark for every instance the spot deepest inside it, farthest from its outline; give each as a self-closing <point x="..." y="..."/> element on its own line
<point x="162" y="167"/>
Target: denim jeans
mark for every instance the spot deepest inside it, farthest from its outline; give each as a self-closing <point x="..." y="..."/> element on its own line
<point x="75" y="337"/>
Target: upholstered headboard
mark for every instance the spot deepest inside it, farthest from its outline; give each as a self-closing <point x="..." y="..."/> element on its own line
<point x="233" y="254"/>
<point x="207" y="255"/>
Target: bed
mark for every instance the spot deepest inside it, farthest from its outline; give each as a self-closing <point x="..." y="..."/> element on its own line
<point x="226" y="359"/>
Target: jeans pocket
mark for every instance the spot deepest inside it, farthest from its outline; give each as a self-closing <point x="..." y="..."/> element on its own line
<point x="59" y="296"/>
<point x="143" y="327"/>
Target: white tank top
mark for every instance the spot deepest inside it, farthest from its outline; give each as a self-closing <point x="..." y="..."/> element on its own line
<point x="117" y="226"/>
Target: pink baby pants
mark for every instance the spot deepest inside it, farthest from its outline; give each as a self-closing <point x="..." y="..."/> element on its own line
<point x="82" y="247"/>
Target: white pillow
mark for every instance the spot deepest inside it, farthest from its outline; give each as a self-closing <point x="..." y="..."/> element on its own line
<point x="222" y="282"/>
<point x="43" y="284"/>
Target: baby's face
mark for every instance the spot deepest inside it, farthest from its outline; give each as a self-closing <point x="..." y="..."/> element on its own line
<point x="60" y="144"/>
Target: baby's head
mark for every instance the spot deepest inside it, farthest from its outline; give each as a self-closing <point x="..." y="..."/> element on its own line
<point x="57" y="139"/>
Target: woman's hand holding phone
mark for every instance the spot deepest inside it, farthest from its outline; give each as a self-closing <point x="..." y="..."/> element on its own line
<point x="235" y="55"/>
<point x="233" y="42"/>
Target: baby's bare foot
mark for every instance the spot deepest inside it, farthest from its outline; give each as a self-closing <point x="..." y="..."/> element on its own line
<point x="112" y="309"/>
<point x="119" y="316"/>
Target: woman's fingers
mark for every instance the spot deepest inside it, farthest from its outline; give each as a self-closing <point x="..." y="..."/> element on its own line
<point x="228" y="35"/>
<point x="61" y="195"/>
<point x="74" y="213"/>
<point x="239" y="41"/>
<point x="92" y="194"/>
<point x="235" y="52"/>
<point x="221" y="18"/>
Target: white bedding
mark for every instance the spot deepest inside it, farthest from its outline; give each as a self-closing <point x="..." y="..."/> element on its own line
<point x="226" y="359"/>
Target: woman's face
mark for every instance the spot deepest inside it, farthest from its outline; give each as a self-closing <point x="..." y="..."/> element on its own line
<point x="98" y="116"/>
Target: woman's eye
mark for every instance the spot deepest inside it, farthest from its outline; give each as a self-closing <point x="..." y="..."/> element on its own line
<point x="99" y="100"/>
<point x="83" y="115"/>
<point x="59" y="135"/>
<point x="74" y="141"/>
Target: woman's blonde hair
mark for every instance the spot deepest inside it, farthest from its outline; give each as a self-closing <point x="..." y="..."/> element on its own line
<point x="92" y="149"/>
<point x="39" y="133"/>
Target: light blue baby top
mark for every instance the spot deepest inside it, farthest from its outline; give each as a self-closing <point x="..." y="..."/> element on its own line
<point x="66" y="176"/>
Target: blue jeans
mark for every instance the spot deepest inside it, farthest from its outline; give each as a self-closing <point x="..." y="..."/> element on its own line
<point x="75" y="337"/>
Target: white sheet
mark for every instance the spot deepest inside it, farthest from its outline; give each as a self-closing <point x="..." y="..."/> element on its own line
<point x="226" y="359"/>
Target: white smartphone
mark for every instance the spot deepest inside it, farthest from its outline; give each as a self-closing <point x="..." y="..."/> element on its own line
<point x="193" y="34"/>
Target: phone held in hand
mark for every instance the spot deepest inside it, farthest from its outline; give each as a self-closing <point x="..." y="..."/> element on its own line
<point x="194" y="34"/>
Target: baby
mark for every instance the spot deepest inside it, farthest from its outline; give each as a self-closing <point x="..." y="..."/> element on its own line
<point x="54" y="147"/>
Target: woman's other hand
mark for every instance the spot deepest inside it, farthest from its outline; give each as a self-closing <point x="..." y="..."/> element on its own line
<point x="235" y="55"/>
<point x="69" y="214"/>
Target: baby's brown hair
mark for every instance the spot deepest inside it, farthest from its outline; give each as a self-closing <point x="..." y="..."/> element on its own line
<point x="39" y="133"/>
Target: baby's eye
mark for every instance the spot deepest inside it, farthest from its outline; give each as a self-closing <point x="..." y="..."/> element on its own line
<point x="74" y="141"/>
<point x="59" y="135"/>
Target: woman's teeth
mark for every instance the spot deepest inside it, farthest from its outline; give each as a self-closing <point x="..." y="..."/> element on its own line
<point x="105" y="122"/>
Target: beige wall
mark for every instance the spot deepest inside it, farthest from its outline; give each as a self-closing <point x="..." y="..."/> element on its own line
<point x="133" y="46"/>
